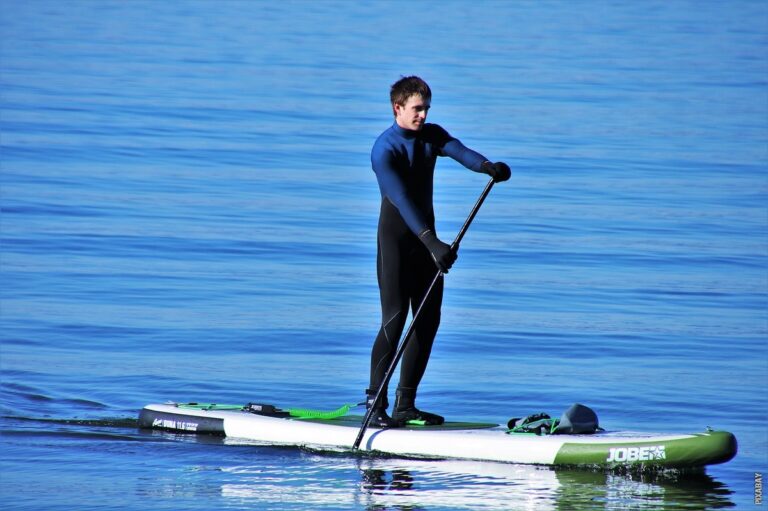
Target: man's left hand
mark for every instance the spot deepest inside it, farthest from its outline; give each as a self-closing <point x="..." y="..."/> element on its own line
<point x="499" y="171"/>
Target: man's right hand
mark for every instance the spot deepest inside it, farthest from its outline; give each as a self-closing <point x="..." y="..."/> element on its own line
<point x="441" y="252"/>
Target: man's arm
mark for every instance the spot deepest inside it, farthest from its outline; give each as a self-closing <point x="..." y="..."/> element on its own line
<point x="473" y="160"/>
<point x="392" y="188"/>
<point x="464" y="155"/>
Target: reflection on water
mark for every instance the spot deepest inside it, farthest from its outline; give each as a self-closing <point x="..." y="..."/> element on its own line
<point x="413" y="485"/>
<point x="292" y="479"/>
<point x="409" y="484"/>
<point x="598" y="490"/>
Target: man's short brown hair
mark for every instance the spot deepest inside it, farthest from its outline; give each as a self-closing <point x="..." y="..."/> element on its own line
<point x="406" y="87"/>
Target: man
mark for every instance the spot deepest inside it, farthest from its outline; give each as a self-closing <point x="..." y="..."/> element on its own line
<point x="409" y="251"/>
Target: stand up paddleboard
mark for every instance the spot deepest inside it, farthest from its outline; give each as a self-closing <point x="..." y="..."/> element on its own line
<point x="455" y="440"/>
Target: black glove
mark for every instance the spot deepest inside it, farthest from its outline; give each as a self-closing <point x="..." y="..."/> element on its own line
<point x="499" y="171"/>
<point x="441" y="252"/>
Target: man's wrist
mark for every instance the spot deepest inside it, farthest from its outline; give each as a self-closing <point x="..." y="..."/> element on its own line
<point x="427" y="235"/>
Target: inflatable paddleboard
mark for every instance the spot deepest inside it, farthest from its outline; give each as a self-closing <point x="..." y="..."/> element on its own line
<point x="451" y="440"/>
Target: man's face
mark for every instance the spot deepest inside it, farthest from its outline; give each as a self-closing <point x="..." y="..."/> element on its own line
<point x="413" y="114"/>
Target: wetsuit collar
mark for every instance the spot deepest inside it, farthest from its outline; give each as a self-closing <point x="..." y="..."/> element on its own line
<point x="404" y="132"/>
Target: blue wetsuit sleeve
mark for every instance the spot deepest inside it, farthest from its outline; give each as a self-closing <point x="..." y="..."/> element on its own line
<point x="393" y="188"/>
<point x="453" y="147"/>
<point x="464" y="155"/>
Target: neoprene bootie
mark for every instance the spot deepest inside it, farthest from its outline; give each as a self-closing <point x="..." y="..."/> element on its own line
<point x="380" y="418"/>
<point x="405" y="409"/>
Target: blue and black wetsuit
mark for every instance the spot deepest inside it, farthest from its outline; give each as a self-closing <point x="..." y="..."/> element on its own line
<point x="404" y="163"/>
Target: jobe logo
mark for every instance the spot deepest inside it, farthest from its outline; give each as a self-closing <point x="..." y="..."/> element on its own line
<point x="629" y="454"/>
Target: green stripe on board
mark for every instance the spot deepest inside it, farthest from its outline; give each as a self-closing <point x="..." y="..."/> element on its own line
<point x="698" y="450"/>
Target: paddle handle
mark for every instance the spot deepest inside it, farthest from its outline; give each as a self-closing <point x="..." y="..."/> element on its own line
<point x="407" y="337"/>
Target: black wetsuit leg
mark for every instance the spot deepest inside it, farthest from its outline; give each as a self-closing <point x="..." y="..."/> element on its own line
<point x="405" y="270"/>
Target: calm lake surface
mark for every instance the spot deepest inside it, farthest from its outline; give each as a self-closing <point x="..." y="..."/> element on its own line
<point x="189" y="214"/>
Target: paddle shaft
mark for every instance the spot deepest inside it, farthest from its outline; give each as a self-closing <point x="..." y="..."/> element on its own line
<point x="409" y="332"/>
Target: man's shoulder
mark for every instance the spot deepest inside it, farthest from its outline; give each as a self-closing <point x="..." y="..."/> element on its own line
<point x="384" y="146"/>
<point x="431" y="127"/>
<point x="386" y="139"/>
<point x="435" y="133"/>
<point x="387" y="133"/>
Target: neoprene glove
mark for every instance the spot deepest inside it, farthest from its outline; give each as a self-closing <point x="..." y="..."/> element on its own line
<point x="499" y="171"/>
<point x="441" y="252"/>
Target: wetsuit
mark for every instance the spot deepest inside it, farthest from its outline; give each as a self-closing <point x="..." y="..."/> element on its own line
<point x="404" y="163"/>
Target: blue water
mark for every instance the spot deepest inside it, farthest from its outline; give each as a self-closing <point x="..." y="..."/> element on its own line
<point x="188" y="213"/>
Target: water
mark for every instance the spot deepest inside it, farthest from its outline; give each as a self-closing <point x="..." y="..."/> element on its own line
<point x="188" y="213"/>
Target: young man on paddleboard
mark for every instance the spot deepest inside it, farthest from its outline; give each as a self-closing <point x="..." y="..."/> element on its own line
<point x="409" y="251"/>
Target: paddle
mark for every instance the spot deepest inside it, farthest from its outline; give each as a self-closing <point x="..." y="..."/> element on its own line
<point x="407" y="336"/>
